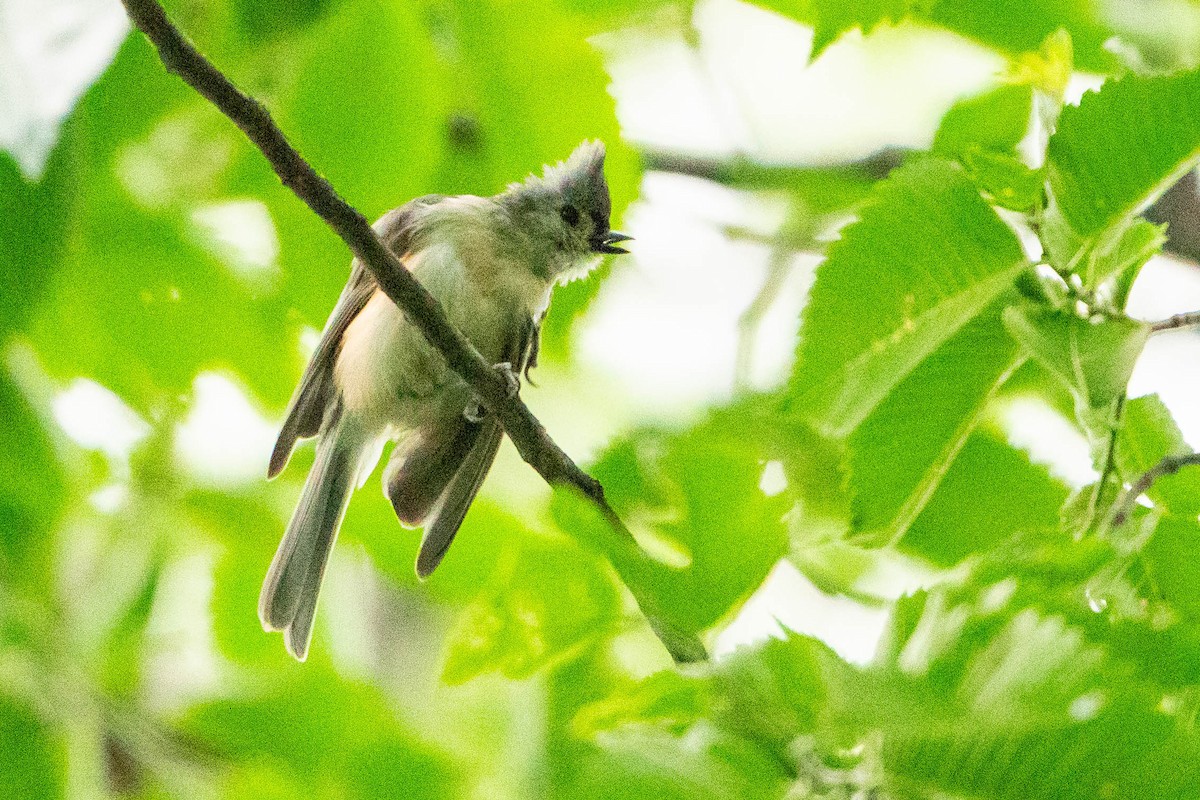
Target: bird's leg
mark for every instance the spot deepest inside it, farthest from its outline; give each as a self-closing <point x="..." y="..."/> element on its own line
<point x="475" y="412"/>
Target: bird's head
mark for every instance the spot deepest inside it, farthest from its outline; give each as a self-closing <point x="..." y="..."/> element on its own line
<point x="568" y="208"/>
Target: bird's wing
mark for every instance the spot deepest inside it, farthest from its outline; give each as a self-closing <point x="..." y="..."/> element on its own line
<point x="312" y="397"/>
<point x="435" y="478"/>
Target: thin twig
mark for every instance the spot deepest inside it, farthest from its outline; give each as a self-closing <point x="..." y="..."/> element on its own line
<point x="749" y="173"/>
<point x="1110" y="457"/>
<point x="1189" y="320"/>
<point x="422" y="309"/>
<point x="1168" y="466"/>
<point x="779" y="268"/>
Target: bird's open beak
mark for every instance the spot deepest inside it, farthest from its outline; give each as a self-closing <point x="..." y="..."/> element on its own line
<point x="608" y="243"/>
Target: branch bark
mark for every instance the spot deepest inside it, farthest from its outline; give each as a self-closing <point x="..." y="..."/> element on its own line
<point x="1168" y="466"/>
<point x="422" y="309"/>
<point x="1177" y="322"/>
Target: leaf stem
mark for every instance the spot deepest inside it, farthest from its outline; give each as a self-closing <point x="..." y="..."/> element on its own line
<point x="749" y="323"/>
<point x="1110" y="457"/>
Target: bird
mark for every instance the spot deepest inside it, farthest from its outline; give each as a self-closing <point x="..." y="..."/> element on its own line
<point x="492" y="263"/>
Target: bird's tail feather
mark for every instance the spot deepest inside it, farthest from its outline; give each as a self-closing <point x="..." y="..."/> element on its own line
<point x="288" y="601"/>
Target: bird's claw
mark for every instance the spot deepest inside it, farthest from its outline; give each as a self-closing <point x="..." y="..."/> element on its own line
<point x="475" y="412"/>
<point x="512" y="382"/>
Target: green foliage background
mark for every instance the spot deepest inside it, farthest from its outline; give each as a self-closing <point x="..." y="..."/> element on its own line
<point x="1050" y="653"/>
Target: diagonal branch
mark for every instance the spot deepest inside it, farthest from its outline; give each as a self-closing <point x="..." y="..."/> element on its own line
<point x="1168" y="466"/>
<point x="422" y="309"/>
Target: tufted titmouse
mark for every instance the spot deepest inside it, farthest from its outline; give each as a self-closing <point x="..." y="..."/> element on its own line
<point x="491" y="262"/>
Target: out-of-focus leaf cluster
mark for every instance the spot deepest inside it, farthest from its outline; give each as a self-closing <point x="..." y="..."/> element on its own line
<point x="1051" y="654"/>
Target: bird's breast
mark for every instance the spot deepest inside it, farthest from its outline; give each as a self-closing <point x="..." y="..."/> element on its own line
<point x="388" y="372"/>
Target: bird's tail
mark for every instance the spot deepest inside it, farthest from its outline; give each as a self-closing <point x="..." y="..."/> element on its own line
<point x="288" y="601"/>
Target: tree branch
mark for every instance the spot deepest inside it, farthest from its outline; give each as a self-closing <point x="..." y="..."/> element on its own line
<point x="1168" y="466"/>
<point x="1188" y="320"/>
<point x="422" y="309"/>
<point x="742" y="172"/>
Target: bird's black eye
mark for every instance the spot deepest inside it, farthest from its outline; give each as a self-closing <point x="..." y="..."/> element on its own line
<point x="570" y="215"/>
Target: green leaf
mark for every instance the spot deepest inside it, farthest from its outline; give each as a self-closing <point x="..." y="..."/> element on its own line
<point x="973" y="508"/>
<point x="58" y="57"/>
<point x="248" y="531"/>
<point x="33" y="233"/>
<point x="1004" y="179"/>
<point x="1122" y="147"/>
<point x="708" y="534"/>
<point x="706" y="762"/>
<point x="927" y="257"/>
<point x="1140" y="242"/>
<point x="32" y="491"/>
<point x="899" y="455"/>
<point x="377" y="153"/>
<point x="1148" y="435"/>
<point x="1010" y="26"/>
<point x="1173" y="563"/>
<point x="995" y="120"/>
<point x="134" y="301"/>
<point x="543" y="603"/>
<point x="666" y="699"/>
<point x="34" y="762"/>
<point x="336" y="737"/>
<point x="1093" y="357"/>
<point x="1012" y="695"/>
<point x="832" y="19"/>
<point x="1016" y="26"/>
<point x="781" y="689"/>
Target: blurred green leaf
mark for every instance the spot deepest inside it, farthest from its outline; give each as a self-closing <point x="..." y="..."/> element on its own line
<point x="265" y="20"/>
<point x="1140" y="242"/>
<point x="1010" y="26"/>
<point x="693" y="498"/>
<point x="55" y="59"/>
<point x="248" y="531"/>
<point x="1148" y="435"/>
<point x="665" y="699"/>
<point x="1004" y="179"/>
<point x="927" y="257"/>
<point x="335" y="737"/>
<point x="1093" y="357"/>
<point x="1018" y="694"/>
<point x="135" y="302"/>
<point x="781" y="689"/>
<point x="704" y="762"/>
<point x="34" y="763"/>
<point x="974" y="508"/>
<point x="831" y="19"/>
<point x="995" y="120"/>
<point x="1172" y="564"/>
<point x="1122" y="147"/>
<point x="1016" y="27"/>
<point x="377" y="145"/>
<point x="898" y="456"/>
<point x="34" y="220"/>
<point x="32" y="491"/>
<point x="541" y="604"/>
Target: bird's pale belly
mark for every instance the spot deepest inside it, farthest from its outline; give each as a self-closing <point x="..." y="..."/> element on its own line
<point x="388" y="373"/>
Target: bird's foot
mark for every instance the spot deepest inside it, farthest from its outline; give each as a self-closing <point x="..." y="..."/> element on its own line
<point x="512" y="382"/>
<point x="475" y="412"/>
